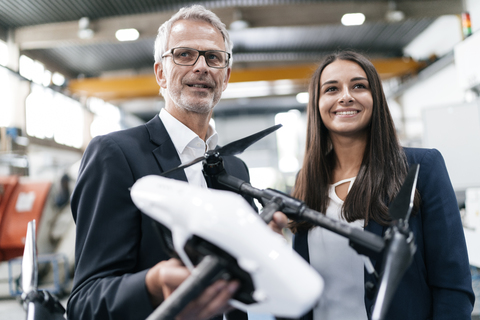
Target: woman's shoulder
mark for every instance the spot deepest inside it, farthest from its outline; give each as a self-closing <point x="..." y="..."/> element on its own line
<point x="419" y="155"/>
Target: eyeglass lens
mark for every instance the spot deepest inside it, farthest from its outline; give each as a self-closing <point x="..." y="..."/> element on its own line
<point x="188" y="57"/>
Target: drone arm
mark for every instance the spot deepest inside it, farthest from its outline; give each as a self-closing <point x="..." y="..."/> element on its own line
<point x="238" y="185"/>
<point x="363" y="242"/>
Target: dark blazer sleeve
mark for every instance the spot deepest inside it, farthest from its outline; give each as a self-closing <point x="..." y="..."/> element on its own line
<point x="438" y="283"/>
<point x="107" y="284"/>
<point x="441" y="241"/>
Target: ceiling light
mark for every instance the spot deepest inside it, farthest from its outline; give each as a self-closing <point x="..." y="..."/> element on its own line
<point x="127" y="34"/>
<point x="302" y="97"/>
<point x="3" y="54"/>
<point x="58" y="79"/>
<point x="238" y="23"/>
<point x="392" y="14"/>
<point x="84" y="29"/>
<point x="353" y="19"/>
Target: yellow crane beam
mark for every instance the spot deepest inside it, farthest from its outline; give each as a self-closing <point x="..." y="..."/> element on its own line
<point x="138" y="86"/>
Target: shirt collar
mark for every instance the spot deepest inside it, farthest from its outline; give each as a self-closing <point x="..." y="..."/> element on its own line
<point x="182" y="136"/>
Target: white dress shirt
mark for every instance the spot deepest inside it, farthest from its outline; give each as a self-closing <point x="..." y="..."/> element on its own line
<point x="189" y="146"/>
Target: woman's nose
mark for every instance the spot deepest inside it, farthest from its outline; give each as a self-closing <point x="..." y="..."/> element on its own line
<point x="346" y="97"/>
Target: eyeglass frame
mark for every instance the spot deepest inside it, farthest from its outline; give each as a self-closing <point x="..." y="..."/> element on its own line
<point x="200" y="53"/>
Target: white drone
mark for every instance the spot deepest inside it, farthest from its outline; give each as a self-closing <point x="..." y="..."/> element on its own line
<point x="216" y="233"/>
<point x="281" y="282"/>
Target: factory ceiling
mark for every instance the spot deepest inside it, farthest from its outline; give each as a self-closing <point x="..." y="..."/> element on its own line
<point x="284" y="38"/>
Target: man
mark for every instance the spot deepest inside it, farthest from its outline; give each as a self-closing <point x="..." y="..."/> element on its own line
<point x="121" y="271"/>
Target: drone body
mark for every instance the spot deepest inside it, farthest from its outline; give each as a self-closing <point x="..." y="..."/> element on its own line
<point x="283" y="283"/>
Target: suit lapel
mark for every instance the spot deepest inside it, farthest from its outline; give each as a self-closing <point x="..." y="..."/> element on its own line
<point x="165" y="153"/>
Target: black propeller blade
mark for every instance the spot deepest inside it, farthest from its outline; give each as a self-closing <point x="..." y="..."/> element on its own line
<point x="241" y="145"/>
<point x="401" y="207"/>
<point x="231" y="149"/>
<point x="186" y="165"/>
<point x="400" y="245"/>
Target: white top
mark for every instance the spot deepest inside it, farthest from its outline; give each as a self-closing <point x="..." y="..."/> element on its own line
<point x="189" y="146"/>
<point x="341" y="267"/>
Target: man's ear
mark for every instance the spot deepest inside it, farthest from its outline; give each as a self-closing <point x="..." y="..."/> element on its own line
<point x="160" y="75"/>
<point x="227" y="78"/>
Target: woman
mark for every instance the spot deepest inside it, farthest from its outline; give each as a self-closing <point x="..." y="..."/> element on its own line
<point x="353" y="167"/>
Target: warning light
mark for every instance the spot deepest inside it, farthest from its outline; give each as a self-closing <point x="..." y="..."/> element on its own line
<point x="466" y="25"/>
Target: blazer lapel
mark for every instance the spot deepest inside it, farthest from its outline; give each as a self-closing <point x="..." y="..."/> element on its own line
<point x="165" y="153"/>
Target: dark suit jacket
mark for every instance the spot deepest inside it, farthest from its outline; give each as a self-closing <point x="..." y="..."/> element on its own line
<point x="116" y="244"/>
<point x="438" y="283"/>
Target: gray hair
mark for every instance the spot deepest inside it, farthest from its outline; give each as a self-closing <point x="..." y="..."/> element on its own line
<point x="194" y="12"/>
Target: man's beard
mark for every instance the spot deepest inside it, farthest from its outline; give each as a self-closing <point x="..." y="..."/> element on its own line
<point x="191" y="103"/>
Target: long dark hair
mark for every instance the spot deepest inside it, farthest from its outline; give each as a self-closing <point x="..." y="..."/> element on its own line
<point x="384" y="164"/>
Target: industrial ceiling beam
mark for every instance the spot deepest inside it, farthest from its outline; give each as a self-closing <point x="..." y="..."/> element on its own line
<point x="290" y="14"/>
<point x="122" y="88"/>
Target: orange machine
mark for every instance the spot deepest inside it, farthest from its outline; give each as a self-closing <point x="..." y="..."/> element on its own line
<point x="20" y="202"/>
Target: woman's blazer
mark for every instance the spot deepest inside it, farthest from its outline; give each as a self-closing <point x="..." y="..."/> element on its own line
<point x="438" y="283"/>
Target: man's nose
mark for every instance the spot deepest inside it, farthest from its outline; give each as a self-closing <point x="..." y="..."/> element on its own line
<point x="201" y="64"/>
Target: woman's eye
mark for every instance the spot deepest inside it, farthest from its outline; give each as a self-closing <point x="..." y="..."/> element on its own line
<point x="330" y="89"/>
<point x="360" y="86"/>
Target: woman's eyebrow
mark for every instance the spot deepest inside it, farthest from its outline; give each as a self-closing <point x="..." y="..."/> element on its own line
<point x="359" y="78"/>
<point x="329" y="82"/>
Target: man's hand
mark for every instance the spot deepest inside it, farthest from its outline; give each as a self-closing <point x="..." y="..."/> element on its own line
<point x="166" y="276"/>
<point x="279" y="221"/>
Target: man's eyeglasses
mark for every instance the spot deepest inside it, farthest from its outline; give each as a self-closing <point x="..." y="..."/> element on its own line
<point x="188" y="57"/>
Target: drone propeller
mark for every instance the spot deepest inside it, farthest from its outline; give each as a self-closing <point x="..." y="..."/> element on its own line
<point x="401" y="207"/>
<point x="231" y="149"/>
<point x="400" y="245"/>
<point x="39" y="304"/>
<point x="29" y="262"/>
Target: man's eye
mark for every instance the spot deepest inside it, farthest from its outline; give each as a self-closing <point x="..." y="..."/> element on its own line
<point x="213" y="56"/>
<point x="182" y="54"/>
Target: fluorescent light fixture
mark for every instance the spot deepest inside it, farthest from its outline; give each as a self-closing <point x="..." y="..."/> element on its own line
<point x="127" y="34"/>
<point x="58" y="79"/>
<point x="302" y="97"/>
<point x="353" y="19"/>
<point x="85" y="34"/>
<point x="238" y="22"/>
<point x="395" y="16"/>
<point x="239" y="25"/>
<point x="25" y="66"/>
<point x="7" y="98"/>
<point x="84" y="29"/>
<point x="288" y="140"/>
<point x="47" y="78"/>
<point x="259" y="89"/>
<point x="3" y="53"/>
<point x="38" y="72"/>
